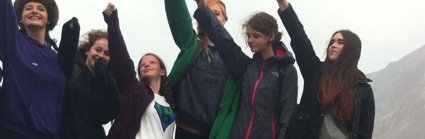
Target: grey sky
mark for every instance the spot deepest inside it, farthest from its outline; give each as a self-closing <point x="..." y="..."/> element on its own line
<point x="389" y="29"/>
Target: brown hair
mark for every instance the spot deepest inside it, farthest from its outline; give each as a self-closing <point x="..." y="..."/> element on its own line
<point x="52" y="12"/>
<point x="340" y="77"/>
<point x="264" y="23"/>
<point x="165" y="89"/>
<point x="90" y="38"/>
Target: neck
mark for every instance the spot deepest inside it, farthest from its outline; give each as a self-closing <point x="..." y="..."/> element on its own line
<point x="155" y="85"/>
<point x="268" y="52"/>
<point x="37" y="34"/>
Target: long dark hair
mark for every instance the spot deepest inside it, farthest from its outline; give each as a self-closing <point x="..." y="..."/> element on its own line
<point x="340" y="77"/>
<point x="52" y="12"/>
<point x="165" y="89"/>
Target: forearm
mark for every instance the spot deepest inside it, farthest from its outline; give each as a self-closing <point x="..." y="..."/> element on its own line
<point x="300" y="43"/>
<point x="180" y="23"/>
<point x="120" y="62"/>
<point x="68" y="46"/>
<point x="229" y="51"/>
<point x="8" y="28"/>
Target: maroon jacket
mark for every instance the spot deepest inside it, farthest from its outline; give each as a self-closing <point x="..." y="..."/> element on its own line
<point x="136" y="95"/>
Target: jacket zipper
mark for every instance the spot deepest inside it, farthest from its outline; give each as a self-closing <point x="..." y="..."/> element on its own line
<point x="257" y="83"/>
<point x="274" y="128"/>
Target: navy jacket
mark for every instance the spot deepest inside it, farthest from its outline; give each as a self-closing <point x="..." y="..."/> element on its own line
<point x="268" y="97"/>
<point x="34" y="80"/>
<point x="308" y="116"/>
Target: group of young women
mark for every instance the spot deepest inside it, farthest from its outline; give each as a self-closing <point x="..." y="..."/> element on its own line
<point x="213" y="90"/>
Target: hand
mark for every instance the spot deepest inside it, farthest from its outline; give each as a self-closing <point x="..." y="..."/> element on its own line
<point x="283" y="4"/>
<point x="201" y="3"/>
<point x="109" y="9"/>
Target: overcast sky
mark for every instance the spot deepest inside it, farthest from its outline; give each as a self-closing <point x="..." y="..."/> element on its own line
<point x="389" y="29"/>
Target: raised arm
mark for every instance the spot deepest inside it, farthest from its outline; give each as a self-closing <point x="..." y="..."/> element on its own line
<point x="8" y="29"/>
<point x="288" y="100"/>
<point x="105" y="97"/>
<point x="120" y="63"/>
<point x="68" y="46"/>
<point x="180" y="23"/>
<point x="300" y="43"/>
<point x="229" y="51"/>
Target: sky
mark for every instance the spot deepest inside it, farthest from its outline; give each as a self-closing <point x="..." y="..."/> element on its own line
<point x="389" y="29"/>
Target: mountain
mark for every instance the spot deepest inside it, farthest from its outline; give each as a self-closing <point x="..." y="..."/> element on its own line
<point x="399" y="91"/>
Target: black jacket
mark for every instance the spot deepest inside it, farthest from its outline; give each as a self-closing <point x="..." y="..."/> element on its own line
<point x="307" y="119"/>
<point x="269" y="87"/>
<point x="91" y="100"/>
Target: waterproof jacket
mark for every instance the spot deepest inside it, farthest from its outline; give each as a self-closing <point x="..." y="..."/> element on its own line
<point x="91" y="100"/>
<point x="269" y="86"/>
<point x="308" y="117"/>
<point x="34" y="79"/>
<point x="225" y="108"/>
<point x="136" y="95"/>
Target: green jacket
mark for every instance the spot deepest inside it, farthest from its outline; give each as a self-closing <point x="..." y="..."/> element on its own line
<point x="185" y="37"/>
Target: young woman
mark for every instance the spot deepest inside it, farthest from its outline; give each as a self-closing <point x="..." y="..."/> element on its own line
<point x="337" y="101"/>
<point x="91" y="98"/>
<point x="199" y="78"/>
<point x="34" y="79"/>
<point x="269" y="86"/>
<point x="146" y="111"/>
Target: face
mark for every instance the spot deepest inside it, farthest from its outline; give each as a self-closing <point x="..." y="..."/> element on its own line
<point x="34" y="15"/>
<point x="218" y="12"/>
<point x="336" y="46"/>
<point x="99" y="50"/>
<point x="257" y="41"/>
<point x="150" y="67"/>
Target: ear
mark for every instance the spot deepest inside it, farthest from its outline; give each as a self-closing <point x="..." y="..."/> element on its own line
<point x="162" y="73"/>
<point x="272" y="36"/>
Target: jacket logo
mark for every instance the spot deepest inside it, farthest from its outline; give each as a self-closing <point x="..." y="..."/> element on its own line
<point x="34" y="64"/>
<point x="275" y="73"/>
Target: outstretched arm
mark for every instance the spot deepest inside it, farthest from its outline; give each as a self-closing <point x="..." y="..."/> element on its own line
<point x="120" y="63"/>
<point x="300" y="43"/>
<point x="8" y="29"/>
<point x="180" y="23"/>
<point x="68" y="46"/>
<point x="105" y="97"/>
<point x="229" y="51"/>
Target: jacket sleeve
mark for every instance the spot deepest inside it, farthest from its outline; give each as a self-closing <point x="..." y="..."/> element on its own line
<point x="300" y="43"/>
<point x="288" y="100"/>
<point x="180" y="23"/>
<point x="8" y="29"/>
<point x="367" y="115"/>
<point x="229" y="51"/>
<point x="120" y="63"/>
<point x="105" y="97"/>
<point x="68" y="46"/>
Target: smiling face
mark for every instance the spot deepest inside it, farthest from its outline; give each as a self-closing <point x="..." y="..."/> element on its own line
<point x="257" y="41"/>
<point x="150" y="68"/>
<point x="34" y="15"/>
<point x="99" y="50"/>
<point x="336" y="46"/>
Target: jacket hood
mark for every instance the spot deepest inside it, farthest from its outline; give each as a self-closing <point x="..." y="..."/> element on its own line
<point x="281" y="53"/>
